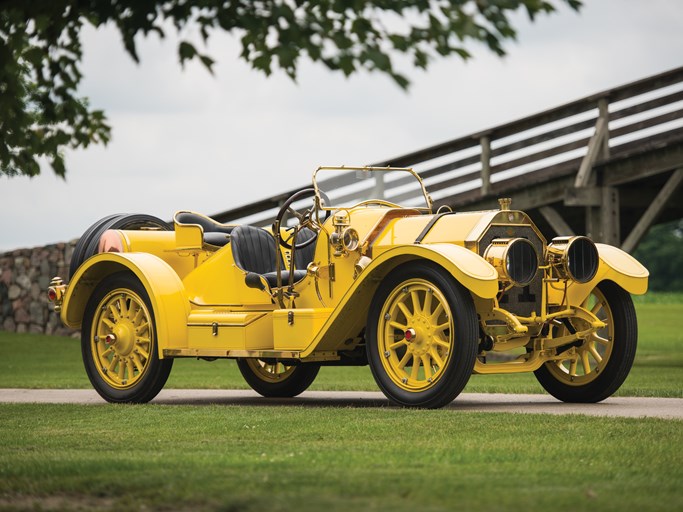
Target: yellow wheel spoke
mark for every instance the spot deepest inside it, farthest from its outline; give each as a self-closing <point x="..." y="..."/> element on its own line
<point x="437" y="312"/>
<point x="404" y="360"/>
<point x="420" y="306"/>
<point x="443" y="327"/>
<point x="416" y="302"/>
<point x="123" y="307"/>
<point x="108" y="323"/>
<point x="131" y="368"/>
<point x="397" y="325"/>
<point x="404" y="310"/>
<point x="585" y="363"/>
<point x="596" y="307"/>
<point x="441" y="342"/>
<point x="114" y="312"/>
<point x="426" y="362"/>
<point x="600" y="339"/>
<point x="138" y="315"/>
<point x="595" y="354"/>
<point x="112" y="363"/>
<point x="137" y="362"/>
<point x="397" y="344"/>
<point x="122" y="369"/>
<point x="143" y="352"/>
<point x="416" y="369"/>
<point x="142" y="327"/>
<point x="427" y="306"/>
<point x="436" y="357"/>
<point x="572" y="367"/>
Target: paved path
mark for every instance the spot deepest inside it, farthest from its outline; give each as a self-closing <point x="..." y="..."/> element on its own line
<point x="480" y="402"/>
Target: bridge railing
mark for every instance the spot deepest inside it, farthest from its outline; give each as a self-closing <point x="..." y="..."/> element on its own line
<point x="566" y="140"/>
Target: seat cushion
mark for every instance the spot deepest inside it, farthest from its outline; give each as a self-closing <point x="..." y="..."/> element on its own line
<point x="253" y="249"/>
<point x="302" y="257"/>
<point x="217" y="239"/>
<point x="207" y="223"/>
<point x="254" y="280"/>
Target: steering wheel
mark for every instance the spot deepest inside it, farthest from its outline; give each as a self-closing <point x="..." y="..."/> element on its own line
<point x="304" y="218"/>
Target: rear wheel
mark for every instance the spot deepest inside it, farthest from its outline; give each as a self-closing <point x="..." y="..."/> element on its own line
<point x="422" y="336"/>
<point x="275" y="379"/>
<point x="598" y="366"/>
<point x="87" y="244"/>
<point x="119" y="342"/>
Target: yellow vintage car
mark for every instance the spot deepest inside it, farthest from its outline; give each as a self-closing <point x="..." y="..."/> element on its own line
<point x="344" y="277"/>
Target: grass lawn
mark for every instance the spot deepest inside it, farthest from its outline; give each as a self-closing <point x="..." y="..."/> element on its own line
<point x="305" y="458"/>
<point x="248" y="458"/>
<point x="35" y="361"/>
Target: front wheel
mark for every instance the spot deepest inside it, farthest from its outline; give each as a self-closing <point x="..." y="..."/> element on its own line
<point x="276" y="380"/>
<point x="119" y="342"/>
<point x="421" y="336"/>
<point x="596" y="368"/>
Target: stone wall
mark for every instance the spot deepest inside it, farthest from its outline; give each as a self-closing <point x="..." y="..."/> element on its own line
<point x="25" y="275"/>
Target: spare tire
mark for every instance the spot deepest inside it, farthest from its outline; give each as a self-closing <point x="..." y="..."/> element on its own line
<point x="87" y="244"/>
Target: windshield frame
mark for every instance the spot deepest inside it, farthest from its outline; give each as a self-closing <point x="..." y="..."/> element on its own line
<point x="318" y="190"/>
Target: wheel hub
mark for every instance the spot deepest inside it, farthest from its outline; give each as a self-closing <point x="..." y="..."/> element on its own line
<point x="419" y="335"/>
<point x="124" y="337"/>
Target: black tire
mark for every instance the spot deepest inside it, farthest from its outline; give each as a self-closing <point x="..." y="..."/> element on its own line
<point x="78" y="256"/>
<point x="451" y="350"/>
<point x="115" y="300"/>
<point x="267" y="379"/>
<point x="87" y="244"/>
<point x="605" y="377"/>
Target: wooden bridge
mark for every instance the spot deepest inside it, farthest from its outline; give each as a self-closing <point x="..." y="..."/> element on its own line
<point x="609" y="166"/>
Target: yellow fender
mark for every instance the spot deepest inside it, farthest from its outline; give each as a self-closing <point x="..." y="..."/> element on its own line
<point x="164" y="287"/>
<point x="617" y="266"/>
<point x="467" y="267"/>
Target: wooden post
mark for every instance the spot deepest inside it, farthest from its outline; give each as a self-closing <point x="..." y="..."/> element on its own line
<point x="556" y="221"/>
<point x="596" y="146"/>
<point x="485" y="142"/>
<point x="653" y="211"/>
<point x="603" y="113"/>
<point x="609" y="217"/>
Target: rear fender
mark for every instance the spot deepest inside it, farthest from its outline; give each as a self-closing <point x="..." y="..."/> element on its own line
<point x="164" y="287"/>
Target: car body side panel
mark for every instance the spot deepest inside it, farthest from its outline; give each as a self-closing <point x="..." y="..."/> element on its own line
<point x="350" y="316"/>
<point x="166" y="292"/>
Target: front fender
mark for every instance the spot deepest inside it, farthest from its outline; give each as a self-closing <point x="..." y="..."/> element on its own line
<point x="164" y="287"/>
<point x="617" y="266"/>
<point x="348" y="318"/>
<point x="467" y="267"/>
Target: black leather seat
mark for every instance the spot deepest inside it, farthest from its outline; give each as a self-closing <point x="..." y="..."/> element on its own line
<point x="254" y="251"/>
<point x="302" y="257"/>
<point x="215" y="233"/>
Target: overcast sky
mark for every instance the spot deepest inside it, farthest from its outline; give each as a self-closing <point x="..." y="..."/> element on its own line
<point x="183" y="139"/>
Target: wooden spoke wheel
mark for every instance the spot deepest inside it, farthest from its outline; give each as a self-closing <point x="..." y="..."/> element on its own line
<point x="421" y="336"/>
<point x="276" y="379"/>
<point x="595" y="367"/>
<point x="119" y="342"/>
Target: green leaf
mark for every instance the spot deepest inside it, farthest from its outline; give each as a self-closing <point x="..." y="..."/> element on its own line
<point x="186" y="51"/>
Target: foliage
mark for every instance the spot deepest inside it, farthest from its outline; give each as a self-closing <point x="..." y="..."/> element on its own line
<point x="661" y="251"/>
<point x="40" y="50"/>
